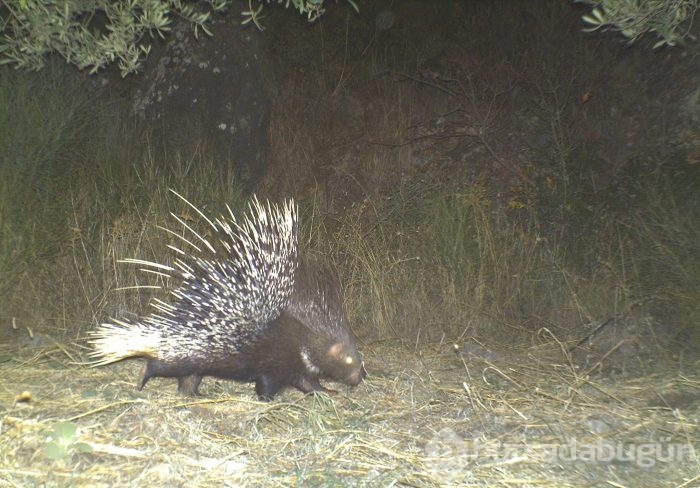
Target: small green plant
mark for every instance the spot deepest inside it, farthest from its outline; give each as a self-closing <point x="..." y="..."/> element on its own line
<point x="63" y="440"/>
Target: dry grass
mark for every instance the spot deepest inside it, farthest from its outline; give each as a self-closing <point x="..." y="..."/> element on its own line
<point x="427" y="417"/>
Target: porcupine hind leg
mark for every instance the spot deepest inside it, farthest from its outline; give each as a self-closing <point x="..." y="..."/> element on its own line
<point x="187" y="380"/>
<point x="146" y="373"/>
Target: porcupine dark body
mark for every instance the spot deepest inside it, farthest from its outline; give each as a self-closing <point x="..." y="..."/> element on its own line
<point x="258" y="314"/>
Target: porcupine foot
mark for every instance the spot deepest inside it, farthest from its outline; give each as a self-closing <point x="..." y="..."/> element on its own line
<point x="310" y="385"/>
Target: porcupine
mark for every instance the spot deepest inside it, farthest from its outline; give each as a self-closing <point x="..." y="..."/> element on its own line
<point x="260" y="313"/>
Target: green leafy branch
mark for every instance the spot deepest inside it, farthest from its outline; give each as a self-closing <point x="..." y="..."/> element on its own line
<point x="92" y="34"/>
<point x="669" y="19"/>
